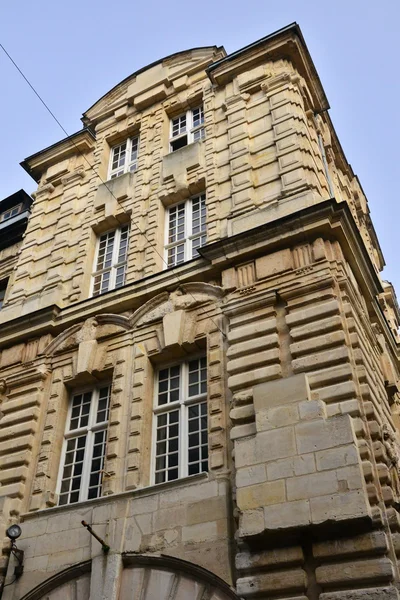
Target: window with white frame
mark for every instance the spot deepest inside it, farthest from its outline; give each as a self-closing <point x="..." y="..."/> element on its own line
<point x="124" y="157"/>
<point x="187" y="128"/>
<point x="84" y="449"/>
<point x="111" y="258"/>
<point x="186" y="230"/>
<point x="11" y="212"/>
<point x="180" y="421"/>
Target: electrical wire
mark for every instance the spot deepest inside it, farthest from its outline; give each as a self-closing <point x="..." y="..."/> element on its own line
<point x="101" y="179"/>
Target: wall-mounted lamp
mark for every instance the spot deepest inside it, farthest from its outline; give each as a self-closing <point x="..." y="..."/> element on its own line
<point x="13" y="532"/>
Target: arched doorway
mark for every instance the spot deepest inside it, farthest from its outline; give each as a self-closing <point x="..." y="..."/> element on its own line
<point x="142" y="577"/>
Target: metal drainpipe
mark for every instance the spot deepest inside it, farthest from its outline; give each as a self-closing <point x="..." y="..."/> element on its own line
<point x="324" y="161"/>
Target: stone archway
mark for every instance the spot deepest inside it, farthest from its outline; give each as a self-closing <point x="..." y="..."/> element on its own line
<point x="167" y="578"/>
<point x="142" y="576"/>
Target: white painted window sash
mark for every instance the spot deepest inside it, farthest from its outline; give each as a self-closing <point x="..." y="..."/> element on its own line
<point x="115" y="263"/>
<point x="89" y="432"/>
<point x="130" y="165"/>
<point x="190" y="129"/>
<point x="182" y="404"/>
<point x="189" y="235"/>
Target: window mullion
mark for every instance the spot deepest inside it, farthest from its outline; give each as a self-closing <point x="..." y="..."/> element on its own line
<point x="128" y="154"/>
<point x="87" y="462"/>
<point x="189" y="228"/>
<point x="188" y="216"/>
<point x="113" y="274"/>
<point x="189" y="125"/>
<point x="183" y="423"/>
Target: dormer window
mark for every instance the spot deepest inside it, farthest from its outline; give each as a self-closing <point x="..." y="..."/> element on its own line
<point x="124" y="158"/>
<point x="11" y="212"/>
<point x="187" y="128"/>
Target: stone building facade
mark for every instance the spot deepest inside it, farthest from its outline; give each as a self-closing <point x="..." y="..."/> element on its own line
<point x="199" y="357"/>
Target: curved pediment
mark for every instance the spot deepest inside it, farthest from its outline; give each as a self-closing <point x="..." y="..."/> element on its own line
<point x="186" y="296"/>
<point x="92" y="329"/>
<point x="161" y="72"/>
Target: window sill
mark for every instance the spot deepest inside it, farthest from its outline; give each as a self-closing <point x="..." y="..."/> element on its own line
<point x="138" y="493"/>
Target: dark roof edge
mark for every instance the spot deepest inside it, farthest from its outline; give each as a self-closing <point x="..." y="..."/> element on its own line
<point x="19" y="196"/>
<point x="293" y="26"/>
<point x="153" y="64"/>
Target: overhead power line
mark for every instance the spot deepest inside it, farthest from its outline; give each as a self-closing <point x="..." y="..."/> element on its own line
<point x="70" y="139"/>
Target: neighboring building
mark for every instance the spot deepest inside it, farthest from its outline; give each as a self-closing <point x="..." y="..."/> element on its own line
<point x="199" y="357"/>
<point x="14" y="213"/>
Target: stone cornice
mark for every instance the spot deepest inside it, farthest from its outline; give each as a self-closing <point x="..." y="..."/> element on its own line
<point x="77" y="143"/>
<point x="285" y="43"/>
<point x="327" y="219"/>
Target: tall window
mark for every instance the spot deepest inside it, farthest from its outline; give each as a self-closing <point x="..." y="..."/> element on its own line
<point x="186" y="230"/>
<point x="84" y="448"/>
<point x="111" y="258"/>
<point x="187" y="128"/>
<point x="124" y="158"/>
<point x="180" y="421"/>
<point x="3" y="289"/>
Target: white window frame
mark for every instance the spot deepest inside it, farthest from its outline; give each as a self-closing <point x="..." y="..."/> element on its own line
<point x="115" y="265"/>
<point x="89" y="432"/>
<point x="10" y="212"/>
<point x="192" y="132"/>
<point x="190" y="236"/>
<point x="129" y="166"/>
<point x="183" y="404"/>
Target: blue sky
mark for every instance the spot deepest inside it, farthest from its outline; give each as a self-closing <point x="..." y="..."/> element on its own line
<point x="75" y="52"/>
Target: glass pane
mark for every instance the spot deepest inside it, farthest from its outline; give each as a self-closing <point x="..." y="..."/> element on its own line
<point x="167" y="447"/>
<point x="72" y="470"/>
<point x="168" y="385"/>
<point x="198" y="438"/>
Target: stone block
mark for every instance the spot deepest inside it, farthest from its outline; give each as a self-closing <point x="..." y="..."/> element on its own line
<point x="207" y="510"/>
<point x="280" y="392"/>
<point x="171" y="517"/>
<point x="174" y="324"/>
<point x="313" y="313"/>
<point x="201" y="532"/>
<point x="274" y="444"/>
<point x="339" y="507"/>
<point x="250" y="475"/>
<point x="155" y="94"/>
<point x="290" y="467"/>
<point x="279" y="416"/>
<point x="357" y="571"/>
<point x="322" y="434"/>
<point x="188" y="494"/>
<point x="272" y="558"/>
<point x="177" y="163"/>
<point x="312" y="409"/>
<point x="382" y="593"/>
<point x="275" y="263"/>
<point x="287" y="515"/>
<point x="275" y="582"/>
<point x="336" y="457"/>
<point x="251" y="523"/>
<point x="261" y="494"/>
<point x="309" y="486"/>
<point x="250" y="378"/>
<point x="368" y="543"/>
